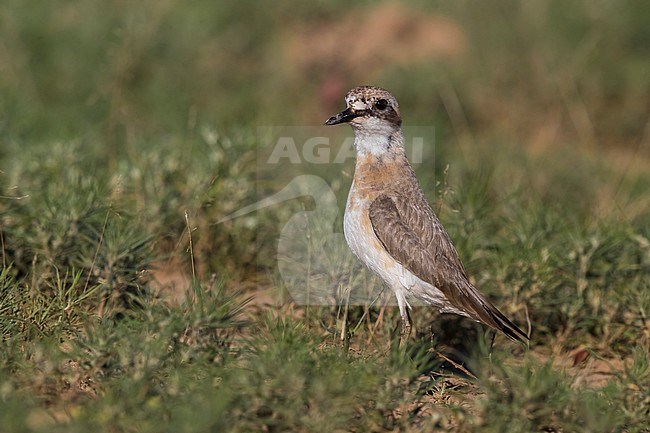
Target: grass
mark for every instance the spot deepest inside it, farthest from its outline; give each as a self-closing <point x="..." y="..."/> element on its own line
<point x="127" y="133"/>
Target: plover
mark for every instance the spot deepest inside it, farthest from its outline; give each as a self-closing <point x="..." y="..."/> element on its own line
<point x="390" y="226"/>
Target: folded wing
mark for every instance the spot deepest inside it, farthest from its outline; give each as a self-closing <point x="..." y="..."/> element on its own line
<point x="416" y="239"/>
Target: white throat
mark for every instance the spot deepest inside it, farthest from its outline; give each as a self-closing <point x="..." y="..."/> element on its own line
<point x="377" y="138"/>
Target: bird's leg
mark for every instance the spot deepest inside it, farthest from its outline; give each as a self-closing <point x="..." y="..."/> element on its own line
<point x="406" y="328"/>
<point x="494" y="334"/>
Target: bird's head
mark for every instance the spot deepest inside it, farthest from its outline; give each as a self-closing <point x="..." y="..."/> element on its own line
<point x="370" y="110"/>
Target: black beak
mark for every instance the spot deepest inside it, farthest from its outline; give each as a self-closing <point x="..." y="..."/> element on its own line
<point x="343" y="117"/>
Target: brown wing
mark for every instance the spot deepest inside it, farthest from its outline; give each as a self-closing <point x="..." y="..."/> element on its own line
<point x="416" y="213"/>
<point x="418" y="242"/>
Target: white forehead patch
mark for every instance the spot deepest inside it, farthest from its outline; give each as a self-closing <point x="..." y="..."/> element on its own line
<point x="359" y="105"/>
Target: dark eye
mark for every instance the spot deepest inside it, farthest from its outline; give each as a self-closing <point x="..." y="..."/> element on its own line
<point x="381" y="104"/>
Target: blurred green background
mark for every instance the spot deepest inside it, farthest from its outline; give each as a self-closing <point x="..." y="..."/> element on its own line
<point x="546" y="71"/>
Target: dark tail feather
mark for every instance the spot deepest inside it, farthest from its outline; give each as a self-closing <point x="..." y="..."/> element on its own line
<point x="504" y="325"/>
<point x="477" y="306"/>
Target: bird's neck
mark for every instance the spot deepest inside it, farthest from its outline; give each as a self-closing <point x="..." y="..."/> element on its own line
<point x="381" y="159"/>
<point x="384" y="144"/>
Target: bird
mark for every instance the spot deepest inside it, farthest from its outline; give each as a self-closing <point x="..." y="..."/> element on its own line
<point x="390" y="226"/>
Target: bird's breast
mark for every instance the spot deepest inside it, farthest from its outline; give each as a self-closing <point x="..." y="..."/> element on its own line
<point x="364" y="243"/>
<point x="360" y="235"/>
